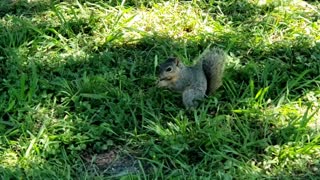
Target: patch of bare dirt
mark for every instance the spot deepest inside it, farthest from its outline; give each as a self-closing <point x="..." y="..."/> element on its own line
<point x="115" y="162"/>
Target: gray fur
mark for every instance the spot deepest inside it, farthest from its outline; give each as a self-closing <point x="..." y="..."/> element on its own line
<point x="213" y="66"/>
<point x="197" y="81"/>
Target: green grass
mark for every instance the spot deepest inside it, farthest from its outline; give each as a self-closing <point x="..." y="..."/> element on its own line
<point x="77" y="78"/>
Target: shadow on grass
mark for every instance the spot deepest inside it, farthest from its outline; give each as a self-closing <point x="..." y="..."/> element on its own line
<point x="23" y="7"/>
<point x="113" y="86"/>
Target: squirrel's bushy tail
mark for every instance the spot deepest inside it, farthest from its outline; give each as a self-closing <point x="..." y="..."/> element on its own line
<point x="213" y="61"/>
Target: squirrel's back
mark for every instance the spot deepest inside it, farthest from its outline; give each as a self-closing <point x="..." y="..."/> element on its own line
<point x="213" y="61"/>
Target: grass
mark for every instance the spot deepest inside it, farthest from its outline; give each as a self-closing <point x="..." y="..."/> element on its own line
<point x="78" y="80"/>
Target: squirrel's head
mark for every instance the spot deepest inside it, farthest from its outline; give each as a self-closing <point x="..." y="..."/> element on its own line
<point x="169" y="72"/>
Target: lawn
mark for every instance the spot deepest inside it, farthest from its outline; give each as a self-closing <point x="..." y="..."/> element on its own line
<point x="79" y="100"/>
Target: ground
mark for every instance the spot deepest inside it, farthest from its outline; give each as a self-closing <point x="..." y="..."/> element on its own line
<point x="78" y="97"/>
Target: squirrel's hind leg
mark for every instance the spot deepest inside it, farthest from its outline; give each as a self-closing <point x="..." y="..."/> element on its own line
<point x="190" y="97"/>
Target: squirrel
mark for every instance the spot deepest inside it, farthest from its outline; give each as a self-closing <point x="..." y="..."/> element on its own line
<point x="195" y="82"/>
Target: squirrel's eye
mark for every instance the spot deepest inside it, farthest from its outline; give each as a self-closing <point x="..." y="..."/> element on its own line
<point x="169" y="69"/>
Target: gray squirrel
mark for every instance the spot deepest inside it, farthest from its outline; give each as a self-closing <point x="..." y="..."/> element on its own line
<point x="195" y="82"/>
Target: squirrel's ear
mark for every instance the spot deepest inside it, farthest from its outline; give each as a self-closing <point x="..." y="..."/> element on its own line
<point x="177" y="61"/>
